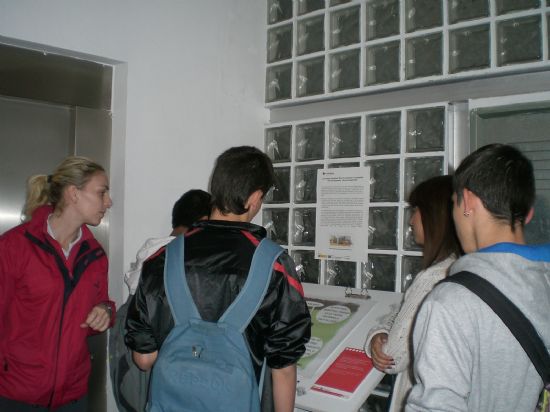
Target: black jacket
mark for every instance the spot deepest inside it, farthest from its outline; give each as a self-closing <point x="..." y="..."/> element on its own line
<point x="218" y="255"/>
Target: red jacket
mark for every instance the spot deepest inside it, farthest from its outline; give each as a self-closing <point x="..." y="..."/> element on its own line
<point x="44" y="298"/>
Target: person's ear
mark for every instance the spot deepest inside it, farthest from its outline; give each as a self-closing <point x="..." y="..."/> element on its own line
<point x="71" y="194"/>
<point x="469" y="200"/>
<point x="254" y="202"/>
<point x="530" y="215"/>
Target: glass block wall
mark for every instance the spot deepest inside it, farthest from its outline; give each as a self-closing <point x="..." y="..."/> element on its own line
<point x="403" y="147"/>
<point x="338" y="47"/>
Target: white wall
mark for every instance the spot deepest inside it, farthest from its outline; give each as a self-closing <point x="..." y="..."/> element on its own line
<point x="190" y="84"/>
<point x="195" y="78"/>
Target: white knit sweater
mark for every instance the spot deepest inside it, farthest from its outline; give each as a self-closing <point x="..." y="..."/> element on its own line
<point x="398" y="326"/>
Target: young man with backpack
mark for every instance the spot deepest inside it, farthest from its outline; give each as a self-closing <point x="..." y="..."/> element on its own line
<point x="218" y="255"/>
<point x="466" y="357"/>
<point x="130" y="384"/>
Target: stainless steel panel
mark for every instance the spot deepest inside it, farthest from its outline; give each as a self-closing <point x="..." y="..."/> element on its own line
<point x="39" y="75"/>
<point x="34" y="138"/>
<point x="93" y="139"/>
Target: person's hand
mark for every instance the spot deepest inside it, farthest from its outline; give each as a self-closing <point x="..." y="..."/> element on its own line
<point x="98" y="319"/>
<point x="380" y="360"/>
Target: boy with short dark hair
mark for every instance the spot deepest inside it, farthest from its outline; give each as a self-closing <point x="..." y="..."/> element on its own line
<point x="466" y="359"/>
<point x="218" y="255"/>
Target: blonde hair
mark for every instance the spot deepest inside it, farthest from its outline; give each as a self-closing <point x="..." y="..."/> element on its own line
<point x="48" y="189"/>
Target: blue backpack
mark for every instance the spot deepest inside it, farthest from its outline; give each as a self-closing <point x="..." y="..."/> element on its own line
<point x="206" y="366"/>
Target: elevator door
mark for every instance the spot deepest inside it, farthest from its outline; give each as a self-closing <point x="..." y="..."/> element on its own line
<point x="34" y="138"/>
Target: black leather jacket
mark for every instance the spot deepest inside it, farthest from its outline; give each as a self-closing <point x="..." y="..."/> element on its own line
<point x="218" y="255"/>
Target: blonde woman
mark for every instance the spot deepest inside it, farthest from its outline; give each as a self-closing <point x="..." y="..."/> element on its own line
<point x="53" y="290"/>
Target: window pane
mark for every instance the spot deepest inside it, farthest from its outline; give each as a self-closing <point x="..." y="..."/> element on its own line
<point x="460" y="10"/>
<point x="275" y="222"/>
<point x="384" y="176"/>
<point x="382" y="18"/>
<point x="383" y="63"/>
<point x="381" y="269"/>
<point x="278" y="10"/>
<point x="383" y="133"/>
<point x="308" y="267"/>
<point x="311" y="77"/>
<point x="311" y="35"/>
<point x="424" y="56"/>
<point x="310" y="141"/>
<point x="304" y="227"/>
<point x="279" y="43"/>
<point x="305" y="183"/>
<point x="422" y="14"/>
<point x="425" y="130"/>
<point x="345" y="138"/>
<point x="277" y="81"/>
<point x="383" y="228"/>
<point x="340" y="273"/>
<point x="469" y="48"/>
<point x="277" y="143"/>
<point x="519" y="40"/>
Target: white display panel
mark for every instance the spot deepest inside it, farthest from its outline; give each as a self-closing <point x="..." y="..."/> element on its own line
<point x="352" y="318"/>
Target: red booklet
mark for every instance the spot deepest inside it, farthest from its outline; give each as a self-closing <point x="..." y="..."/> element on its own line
<point x="345" y="374"/>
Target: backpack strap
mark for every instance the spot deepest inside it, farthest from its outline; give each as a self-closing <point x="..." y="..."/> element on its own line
<point x="175" y="283"/>
<point x="522" y="329"/>
<point x="246" y="304"/>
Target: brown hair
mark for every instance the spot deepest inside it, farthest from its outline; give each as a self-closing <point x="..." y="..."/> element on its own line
<point x="44" y="189"/>
<point x="433" y="199"/>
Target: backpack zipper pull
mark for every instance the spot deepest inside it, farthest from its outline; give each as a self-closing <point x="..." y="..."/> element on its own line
<point x="196" y="351"/>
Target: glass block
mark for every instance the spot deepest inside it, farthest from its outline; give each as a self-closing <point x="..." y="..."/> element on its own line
<point x="419" y="169"/>
<point x="345" y="164"/>
<point x="507" y="6"/>
<point x="408" y="236"/>
<point x="424" y="56"/>
<point x="519" y="40"/>
<point x="307" y="266"/>
<point x="278" y="10"/>
<point x="460" y="10"/>
<point x="383" y="63"/>
<point x="310" y="141"/>
<point x="410" y="266"/>
<point x="275" y="222"/>
<point x="426" y="130"/>
<point x="310" y="77"/>
<point x="277" y="143"/>
<point x="345" y="138"/>
<point x="384" y="177"/>
<point x="303" y="228"/>
<point x="344" y="27"/>
<point x="305" y="183"/>
<point x="279" y="43"/>
<point x="381" y="269"/>
<point x="307" y="6"/>
<point x="469" y="48"/>
<point x="384" y="133"/>
<point x="383" y="228"/>
<point x="423" y="14"/>
<point x="337" y="2"/>
<point x="339" y="273"/>
<point x="311" y="35"/>
<point x="280" y="193"/>
<point x="382" y="18"/>
<point x="344" y="70"/>
<point x="278" y="82"/>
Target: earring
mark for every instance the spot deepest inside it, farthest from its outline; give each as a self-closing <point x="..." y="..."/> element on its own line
<point x="466" y="214"/>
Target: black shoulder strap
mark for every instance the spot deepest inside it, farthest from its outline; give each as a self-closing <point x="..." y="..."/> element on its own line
<point x="513" y="318"/>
